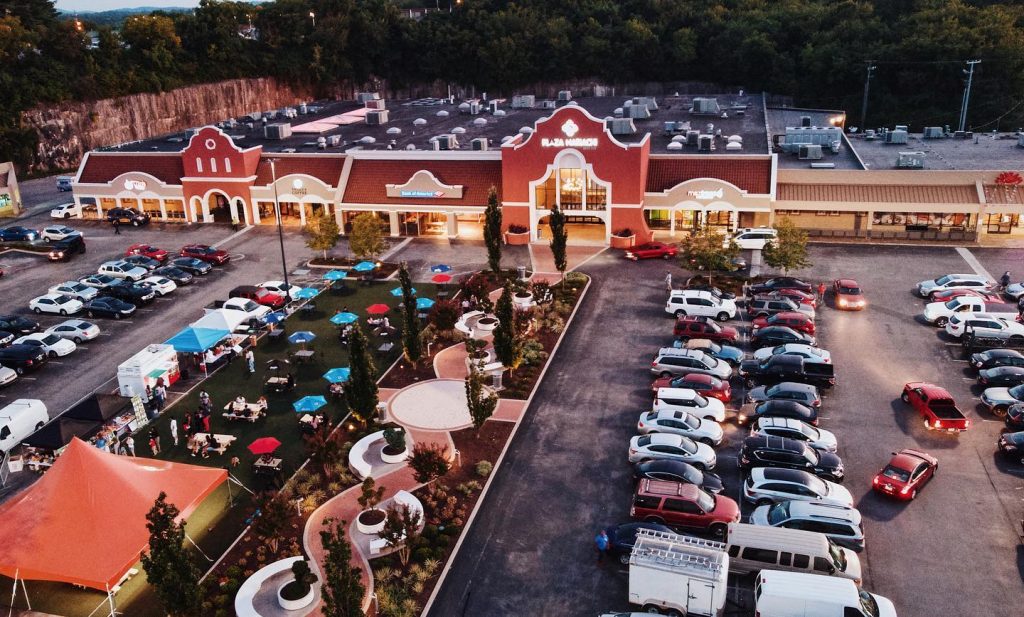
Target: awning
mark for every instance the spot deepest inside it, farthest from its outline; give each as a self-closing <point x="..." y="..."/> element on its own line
<point x="221" y="319"/>
<point x="196" y="340"/>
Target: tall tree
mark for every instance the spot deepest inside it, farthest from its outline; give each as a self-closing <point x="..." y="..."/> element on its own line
<point x="492" y="231"/>
<point x="558" y="239"/>
<point x="508" y="343"/>
<point x="342" y="588"/>
<point x="169" y="567"/>
<point x="322" y="232"/>
<point x="361" y="393"/>
<point x="480" y="400"/>
<point x="326" y="449"/>
<point x="366" y="240"/>
<point x="788" y="250"/>
<point x="412" y="345"/>
<point x="707" y="251"/>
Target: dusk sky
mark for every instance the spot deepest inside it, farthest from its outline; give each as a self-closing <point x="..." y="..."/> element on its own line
<point x="106" y="5"/>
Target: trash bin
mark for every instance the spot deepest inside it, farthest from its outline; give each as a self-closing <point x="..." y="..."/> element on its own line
<point x="522" y="272"/>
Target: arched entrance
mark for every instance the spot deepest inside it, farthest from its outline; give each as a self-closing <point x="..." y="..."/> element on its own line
<point x="216" y="208"/>
<point x="571" y="185"/>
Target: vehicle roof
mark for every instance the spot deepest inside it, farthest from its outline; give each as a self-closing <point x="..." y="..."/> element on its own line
<point x="847" y="283"/>
<point x="816" y="510"/>
<point x="1006" y="369"/>
<point x="746" y="229"/>
<point x="780" y="422"/>
<point x="704" y="378"/>
<point x="665" y="464"/>
<point x="778" y="359"/>
<point x="688" y="353"/>
<point x="773" y="442"/>
<point x="662" y="414"/>
<point x="1016" y="438"/>
<point x="668" y="488"/>
<point x="774" y="329"/>
<point x="777" y="404"/>
<point x="809" y="586"/>
<point x="760" y="474"/>
<point x="794" y="385"/>
<point x="772" y="298"/>
<point x="789" y="315"/>
<point x="685" y="393"/>
<point x="906" y="459"/>
<point x="930" y="389"/>
<point x="745" y="534"/>
<point x="1002" y="353"/>
<point x="247" y="288"/>
<point x="668" y="439"/>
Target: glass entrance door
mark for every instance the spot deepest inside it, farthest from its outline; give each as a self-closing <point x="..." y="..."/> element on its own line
<point x="1001" y="223"/>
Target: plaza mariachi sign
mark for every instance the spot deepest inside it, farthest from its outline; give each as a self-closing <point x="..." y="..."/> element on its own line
<point x="569" y="129"/>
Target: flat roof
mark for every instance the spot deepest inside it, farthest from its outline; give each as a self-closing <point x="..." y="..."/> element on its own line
<point x="781" y="117"/>
<point x="985" y="151"/>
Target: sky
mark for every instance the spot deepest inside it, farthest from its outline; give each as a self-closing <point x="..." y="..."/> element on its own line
<point x="106" y="5"/>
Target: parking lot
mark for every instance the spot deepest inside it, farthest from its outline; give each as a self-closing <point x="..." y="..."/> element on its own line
<point x="955" y="550"/>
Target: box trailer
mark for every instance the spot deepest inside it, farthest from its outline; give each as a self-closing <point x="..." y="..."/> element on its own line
<point x="669" y="572"/>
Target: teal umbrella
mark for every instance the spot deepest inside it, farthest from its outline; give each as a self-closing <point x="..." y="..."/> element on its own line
<point x="335" y="275"/>
<point x="424" y="303"/>
<point x="397" y="292"/>
<point x="302" y="336"/>
<point x="306" y="293"/>
<point x="364" y="266"/>
<point x="343" y="319"/>
<point x="337" y="374"/>
<point x="308" y="404"/>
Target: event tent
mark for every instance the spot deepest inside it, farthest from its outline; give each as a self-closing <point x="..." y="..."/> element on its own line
<point x="221" y="319"/>
<point x="84" y="521"/>
<point x="196" y="340"/>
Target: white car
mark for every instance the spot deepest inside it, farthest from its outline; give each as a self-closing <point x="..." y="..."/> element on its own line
<point x="697" y="302"/>
<point x="7" y="376"/>
<point x="52" y="344"/>
<point x="52" y="233"/>
<point x="161" y="285"/>
<point x="280" y="288"/>
<point x="767" y="485"/>
<point x="791" y="428"/>
<point x="1015" y="290"/>
<point x="76" y="290"/>
<point x="64" y="211"/>
<point x="680" y="423"/>
<point x="954" y="281"/>
<point x="76" y="330"/>
<point x="685" y="399"/>
<point x="123" y="270"/>
<point x="58" y="304"/>
<point x="986" y="325"/>
<point x="808" y="353"/>
<point x="752" y="238"/>
<point x="671" y="447"/>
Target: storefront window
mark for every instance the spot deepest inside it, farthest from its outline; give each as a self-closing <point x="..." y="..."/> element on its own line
<point x="658" y="219"/>
<point x="937" y="220"/>
<point x="152" y="208"/>
<point x="175" y="209"/>
<point x="597" y="195"/>
<point x="571" y="188"/>
<point x="571" y="184"/>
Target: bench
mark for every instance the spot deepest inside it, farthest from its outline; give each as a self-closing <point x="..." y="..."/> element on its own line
<point x="248" y="418"/>
<point x="224" y="441"/>
<point x="357" y="453"/>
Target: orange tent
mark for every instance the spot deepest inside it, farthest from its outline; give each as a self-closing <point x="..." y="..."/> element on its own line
<point x="84" y="522"/>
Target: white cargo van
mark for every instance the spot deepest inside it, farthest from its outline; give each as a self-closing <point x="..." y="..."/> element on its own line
<point x="681" y="574"/>
<point x="19" y="420"/>
<point x="791" y="594"/>
<point x="755" y="547"/>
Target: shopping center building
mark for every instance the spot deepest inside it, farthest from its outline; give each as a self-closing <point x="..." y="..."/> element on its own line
<point x="616" y="166"/>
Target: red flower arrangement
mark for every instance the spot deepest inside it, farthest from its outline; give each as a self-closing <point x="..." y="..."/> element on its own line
<point x="1009" y="178"/>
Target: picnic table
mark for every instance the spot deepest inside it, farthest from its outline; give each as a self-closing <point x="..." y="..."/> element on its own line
<point x="264" y="465"/>
<point x="276" y="333"/>
<point x="277" y="384"/>
<point x="223" y="441"/>
<point x="249" y="412"/>
<point x="305" y="355"/>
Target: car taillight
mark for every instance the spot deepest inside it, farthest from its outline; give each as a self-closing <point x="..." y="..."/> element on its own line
<point x="654" y="363"/>
<point x="967" y="423"/>
<point x="28" y="363"/>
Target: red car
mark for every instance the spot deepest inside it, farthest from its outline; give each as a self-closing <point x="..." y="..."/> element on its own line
<point x="651" y="250"/>
<point x="147" y="250"/>
<point x="707" y="385"/>
<point x="905" y="474"/>
<point x="949" y="294"/>
<point x="205" y="253"/>
<point x="694" y="326"/>
<point x="847" y="295"/>
<point x="800" y="297"/>
<point x="790" y="319"/>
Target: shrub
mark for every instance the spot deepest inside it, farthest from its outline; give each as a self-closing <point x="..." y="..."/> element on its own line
<point x="430" y="532"/>
<point x="533" y="353"/>
<point x="429" y="462"/>
<point x="395" y="436"/>
<point x="444" y="314"/>
<point x="299" y="588"/>
<point x="468" y="488"/>
<point x="625" y="232"/>
<point x="517" y="229"/>
<point x="577" y="278"/>
<point x="484" y="468"/>
<point x="422" y="554"/>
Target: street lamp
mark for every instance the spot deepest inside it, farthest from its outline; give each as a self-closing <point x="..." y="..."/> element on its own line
<point x="312" y="16"/>
<point x="280" y="227"/>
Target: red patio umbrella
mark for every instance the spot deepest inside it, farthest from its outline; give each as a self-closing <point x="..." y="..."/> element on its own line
<point x="378" y="309"/>
<point x="441" y="278"/>
<point x="264" y="445"/>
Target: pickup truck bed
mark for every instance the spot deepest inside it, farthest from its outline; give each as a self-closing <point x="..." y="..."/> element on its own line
<point x="936" y="406"/>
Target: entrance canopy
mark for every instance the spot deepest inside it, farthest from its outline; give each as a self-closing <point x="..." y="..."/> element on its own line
<point x="84" y="522"/>
<point x="221" y="319"/>
<point x="196" y="340"/>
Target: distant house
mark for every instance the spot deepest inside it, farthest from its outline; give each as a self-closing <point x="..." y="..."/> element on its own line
<point x="10" y="197"/>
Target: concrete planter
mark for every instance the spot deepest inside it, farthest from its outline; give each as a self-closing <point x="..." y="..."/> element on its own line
<point x="522" y="299"/>
<point x="394" y="458"/>
<point x="370" y="530"/>
<point x="487" y="324"/>
<point x="623" y="242"/>
<point x="294" y="605"/>
<point x="517" y="239"/>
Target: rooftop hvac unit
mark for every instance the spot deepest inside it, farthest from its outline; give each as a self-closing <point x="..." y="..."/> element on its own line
<point x="474" y="108"/>
<point x="705" y="106"/>
<point x="823" y="165"/>
<point x="321" y="143"/>
<point x="620" y="126"/>
<point x="231" y="123"/>
<point x="705" y="143"/>
<point x="289" y="112"/>
<point x="464" y="108"/>
<point x="281" y="130"/>
<point x="564" y="96"/>
<point x="363" y="97"/>
<point x="898" y="136"/>
<point x="376" y="104"/>
<point x="334" y="141"/>
<point x="810" y="152"/>
<point x="638" y="111"/>
<point x="674" y="145"/>
<point x="805" y="121"/>
<point x="303" y="109"/>
<point x="377" y="117"/>
<point x="910" y="160"/>
<point x="619" y="112"/>
<point x="547" y="104"/>
<point x="932" y="132"/>
<point x="824" y="136"/>
<point x="480" y="143"/>
<point x="254" y="116"/>
<point x="446" y="142"/>
<point x="523" y="101"/>
<point x="902" y="127"/>
<point x="692" y="137"/>
<point x="870" y="135"/>
<point x="735" y="145"/>
<point x="647" y="101"/>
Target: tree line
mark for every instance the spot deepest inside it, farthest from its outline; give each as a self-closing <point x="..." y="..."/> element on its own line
<point x="816" y="51"/>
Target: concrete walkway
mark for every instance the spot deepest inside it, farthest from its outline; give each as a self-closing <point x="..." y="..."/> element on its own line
<point x="544" y="261"/>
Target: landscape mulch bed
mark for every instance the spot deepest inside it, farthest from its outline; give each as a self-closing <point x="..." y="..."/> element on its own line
<point x="405" y="374"/>
<point x="519" y="385"/>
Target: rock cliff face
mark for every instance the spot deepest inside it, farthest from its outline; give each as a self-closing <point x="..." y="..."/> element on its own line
<point x="69" y="130"/>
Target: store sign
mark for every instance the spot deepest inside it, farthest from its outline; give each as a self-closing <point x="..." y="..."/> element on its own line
<point x="705" y="195"/>
<point x="134" y="185"/>
<point x="424" y="185"/>
<point x="570" y="129"/>
<point x="422" y="194"/>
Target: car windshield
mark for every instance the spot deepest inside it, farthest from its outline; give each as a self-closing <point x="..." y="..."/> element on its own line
<point x="1017" y="392"/>
<point x="943" y="280"/>
<point x="77" y="287"/>
<point x="817" y="485"/>
<point x="710" y="361"/>
<point x="811" y="455"/>
<point x="896" y="474"/>
<point x="868" y="604"/>
<point x="687" y="445"/>
<point x="51" y="339"/>
<point x="952" y="304"/>
<point x="690" y="420"/>
<point x="850" y="291"/>
<point x="700" y="401"/>
<point x="705" y="501"/>
<point x="809" y="431"/>
<point x="772" y="391"/>
<point x="778" y="513"/>
<point x="838" y="556"/>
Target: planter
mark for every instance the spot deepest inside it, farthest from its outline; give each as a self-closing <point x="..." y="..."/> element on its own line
<point x="623" y="242"/>
<point x="374" y="526"/>
<point x="294" y="605"/>
<point x="517" y="239"/>
<point x="522" y="299"/>
<point x="487" y="324"/>
<point x="397" y="457"/>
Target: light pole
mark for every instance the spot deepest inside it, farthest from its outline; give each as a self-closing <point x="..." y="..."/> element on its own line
<point x="280" y="227"/>
<point x="967" y="93"/>
<point x="864" y="106"/>
<point x="312" y="16"/>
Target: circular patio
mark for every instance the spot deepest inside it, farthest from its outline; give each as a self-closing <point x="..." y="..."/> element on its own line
<point x="435" y="405"/>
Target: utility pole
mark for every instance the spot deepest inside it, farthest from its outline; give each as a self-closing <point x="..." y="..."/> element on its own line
<point x="864" y="105"/>
<point x="280" y="227"/>
<point x="967" y="93"/>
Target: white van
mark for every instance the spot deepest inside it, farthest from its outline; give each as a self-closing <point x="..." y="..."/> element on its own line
<point x="19" y="420"/>
<point x="752" y="238"/>
<point x="791" y="594"/>
<point x="756" y="547"/>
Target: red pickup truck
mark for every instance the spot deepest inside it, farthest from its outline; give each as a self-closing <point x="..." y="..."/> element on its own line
<point x="936" y="406"/>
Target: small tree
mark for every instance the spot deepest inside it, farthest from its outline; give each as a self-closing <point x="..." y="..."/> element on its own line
<point x="705" y="251"/>
<point x="370" y="494"/>
<point x="558" y="239"/>
<point x="401" y="530"/>
<point x="481" y="402"/>
<point x="300" y="587"/>
<point x="429" y="462"/>
<point x="343" y="589"/>
<point x="323" y="233"/>
<point x="411" y="344"/>
<point x="492" y="231"/>
<point x="169" y="567"/>
<point x="361" y="393"/>
<point x="326" y="449"/>
<point x="788" y="251"/>
<point x="366" y="241"/>
<point x="275" y="514"/>
<point x="508" y="344"/>
<point x="444" y="315"/>
<point x="395" y="438"/>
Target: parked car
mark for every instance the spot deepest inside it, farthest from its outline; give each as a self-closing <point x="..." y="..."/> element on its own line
<point x="992" y="358"/>
<point x="108" y="307"/>
<point x="907" y="472"/>
<point x="683" y="505"/>
<point x="987" y="325"/>
<point x="7" y="376"/>
<point x="773" y="336"/>
<point x="700" y="283"/>
<point x="936" y="406"/>
<point x="16" y="324"/>
<point x="671" y="361"/>
<point x="682" y="399"/>
<point x="1001" y="376"/>
<point x="759" y="306"/>
<point x="52" y="233"/>
<point x="950" y="281"/>
<point x="17" y="233"/>
<point x="64" y="250"/>
<point x="143" y="262"/>
<point x="58" y="304"/>
<point x="791" y="428"/>
<point x="130" y="292"/>
<point x="956" y="292"/>
<point x="807" y="352"/>
<point x="147" y="250"/>
<point x="847" y="295"/>
<point x="938" y="313"/>
<point x="22" y="358"/>
<point x="675" y="447"/>
<point x="280" y="287"/>
<point x="691" y="302"/>
<point x="52" y="345"/>
<point x="771" y="451"/>
<point x="694" y="326"/>
<point x="732" y="355"/>
<point x="621" y="538"/>
<point x="999" y="400"/>
<point x="751" y="238"/>
<point x="795" y="320"/>
<point x="100" y="281"/>
<point x="64" y="211"/>
<point x="840" y="524"/>
<point x="679" y="422"/>
<point x="259" y="295"/>
<point x="780" y="282"/>
<point x="778" y="409"/>
<point x="191" y="265"/>
<point x="705" y="385"/>
<point x="6" y="338"/>
<point x="205" y="253"/>
<point x="1015" y="417"/>
<point x="75" y="330"/>
<point x="75" y="289"/>
<point x="796" y="295"/>
<point x="1011" y="445"/>
<point x="786" y="391"/>
<point x="123" y="270"/>
<point x="176" y="274"/>
<point x="678" y="471"/>
<point x="777" y="369"/>
<point x="159" y="284"/>
<point x="651" y="250"/>
<point x="768" y="485"/>
<point x="127" y="216"/>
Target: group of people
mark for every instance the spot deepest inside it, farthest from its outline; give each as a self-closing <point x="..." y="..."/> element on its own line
<point x="240" y="407"/>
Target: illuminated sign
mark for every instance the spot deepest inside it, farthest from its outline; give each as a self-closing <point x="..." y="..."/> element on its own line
<point x="134" y="185"/>
<point x="572" y="142"/>
<point x="570" y="129"/>
<point x="422" y="194"/>
<point x="705" y="195"/>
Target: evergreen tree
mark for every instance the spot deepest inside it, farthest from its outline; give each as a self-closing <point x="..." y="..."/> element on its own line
<point x="788" y="251"/>
<point x="342" y="588"/>
<point x="323" y="233"/>
<point x="169" y="567"/>
<point x="558" y="239"/>
<point x="361" y="392"/>
<point x="508" y="344"/>
<point x="492" y="231"/>
<point x="411" y="343"/>
<point x="481" y="402"/>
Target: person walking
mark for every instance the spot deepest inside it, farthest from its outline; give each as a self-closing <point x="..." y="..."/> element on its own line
<point x="1004" y="281"/>
<point x="154" y="440"/>
<point x="602" y="543"/>
<point x="174" y="431"/>
<point x="206" y="421"/>
<point x="117" y="226"/>
<point x="159" y="396"/>
<point x="250" y="361"/>
<point x="129" y="445"/>
<point x="821" y="292"/>
<point x="668" y="280"/>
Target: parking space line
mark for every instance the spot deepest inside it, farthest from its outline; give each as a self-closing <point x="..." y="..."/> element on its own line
<point x="57" y="362"/>
<point x="29" y="378"/>
<point x="974" y="263"/>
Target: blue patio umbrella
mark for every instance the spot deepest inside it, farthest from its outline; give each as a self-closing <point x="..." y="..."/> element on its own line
<point x="440" y="268"/>
<point x="342" y="319"/>
<point x="308" y="404"/>
<point x="274" y="318"/>
<point x="306" y="293"/>
<point x="335" y="275"/>
<point x="424" y="303"/>
<point x="337" y="374"/>
<point x="397" y="292"/>
<point x="302" y="336"/>
<point x="364" y="266"/>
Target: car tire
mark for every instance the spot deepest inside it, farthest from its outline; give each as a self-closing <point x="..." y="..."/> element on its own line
<point x="1000" y="411"/>
<point x="764" y="502"/>
<point x="706" y="441"/>
<point x="117" y="316"/>
<point x="67" y="215"/>
<point x="77" y="340"/>
<point x="36" y="310"/>
<point x="723" y="316"/>
<point x="666" y="374"/>
<point x="666" y="256"/>
<point x="700" y="466"/>
<point x="1016" y="339"/>
<point x="135" y="223"/>
<point x="52" y="354"/>
<point x="652" y="609"/>
<point x="47" y="239"/>
<point x="624" y="559"/>
<point x="718" y="530"/>
<point x="654" y="519"/>
<point x="19" y="370"/>
<point x="905" y="397"/>
<point x="680" y="313"/>
<point x="941" y="322"/>
<point x="749" y="383"/>
<point x="63" y="313"/>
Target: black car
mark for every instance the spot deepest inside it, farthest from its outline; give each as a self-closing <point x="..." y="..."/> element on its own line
<point x="786" y="391"/>
<point x="65" y="249"/>
<point x="779" y="335"/>
<point x="621" y="538"/>
<point x="1015" y="417"/>
<point x="18" y="325"/>
<point x="783" y="368"/>
<point x="1001" y="376"/>
<point x="772" y="451"/>
<point x="1011" y="445"/>
<point x="701" y="285"/>
<point x="677" y="471"/>
<point x="22" y="358"/>
<point x="179" y="276"/>
<point x="127" y="216"/>
<point x="108" y="307"/>
<point x="143" y="262"/>
<point x="130" y="292"/>
<point x="780" y="282"/>
<point x="779" y="409"/>
<point x="191" y="265"/>
<point x="996" y="357"/>
<point x="5" y="338"/>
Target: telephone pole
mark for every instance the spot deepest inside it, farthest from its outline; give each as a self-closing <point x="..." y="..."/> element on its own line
<point x="864" y="105"/>
<point x="967" y="93"/>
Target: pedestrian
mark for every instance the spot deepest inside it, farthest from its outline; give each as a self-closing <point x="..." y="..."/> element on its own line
<point x="160" y="395"/>
<point x="206" y="421"/>
<point x="1004" y="281"/>
<point x="129" y="445"/>
<point x="602" y="543"/>
<point x="186" y="424"/>
<point x="149" y="393"/>
<point x="197" y="421"/>
<point x="154" y="440"/>
<point x="117" y="226"/>
<point x="250" y="360"/>
<point x="821" y="292"/>
<point x="174" y="431"/>
<point x="668" y="280"/>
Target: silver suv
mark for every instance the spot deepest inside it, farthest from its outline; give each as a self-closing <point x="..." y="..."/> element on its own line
<point x="841" y="524"/>
<point x="671" y="362"/>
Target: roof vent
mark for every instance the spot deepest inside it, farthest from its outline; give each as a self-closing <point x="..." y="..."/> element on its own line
<point x="442" y="114"/>
<point x="419" y="122"/>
